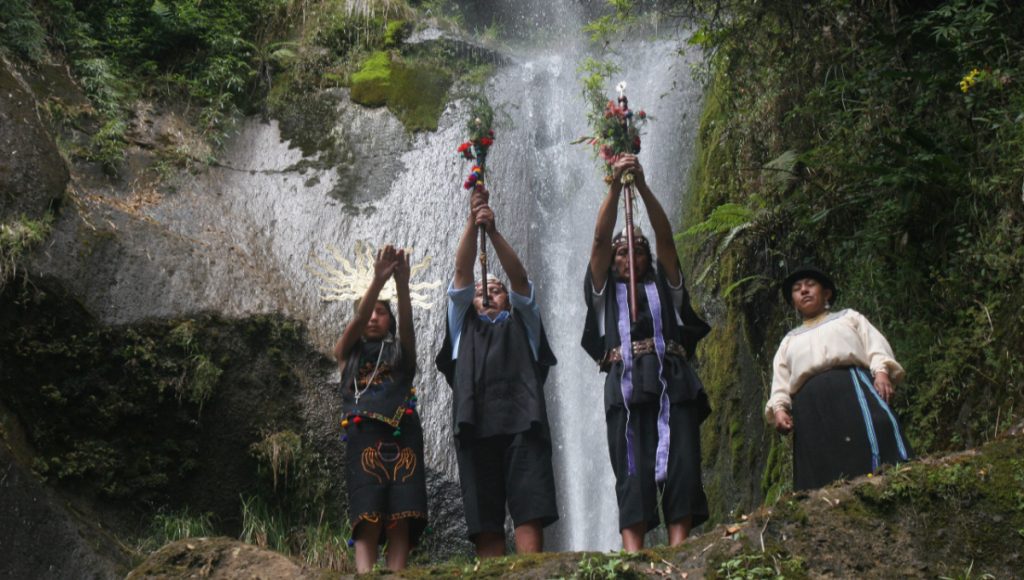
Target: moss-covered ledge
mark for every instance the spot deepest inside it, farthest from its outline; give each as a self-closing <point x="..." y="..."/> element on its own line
<point x="415" y="92"/>
<point x="942" y="516"/>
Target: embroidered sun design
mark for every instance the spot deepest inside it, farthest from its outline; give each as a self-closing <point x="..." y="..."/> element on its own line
<point x="345" y="280"/>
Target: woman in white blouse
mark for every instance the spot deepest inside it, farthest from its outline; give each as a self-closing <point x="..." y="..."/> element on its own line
<point x="832" y="382"/>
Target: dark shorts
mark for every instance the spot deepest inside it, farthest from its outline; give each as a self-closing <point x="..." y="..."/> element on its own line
<point x="842" y="429"/>
<point x="385" y="476"/>
<point x="682" y="493"/>
<point x="513" y="469"/>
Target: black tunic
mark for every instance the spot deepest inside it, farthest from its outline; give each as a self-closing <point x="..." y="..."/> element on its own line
<point x="498" y="385"/>
<point x="682" y="493"/>
<point x="384" y="459"/>
<point x="683" y="384"/>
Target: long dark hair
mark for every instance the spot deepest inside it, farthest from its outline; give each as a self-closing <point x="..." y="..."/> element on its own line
<point x="392" y="350"/>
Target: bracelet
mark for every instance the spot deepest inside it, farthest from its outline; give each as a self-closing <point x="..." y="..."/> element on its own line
<point x="880" y="371"/>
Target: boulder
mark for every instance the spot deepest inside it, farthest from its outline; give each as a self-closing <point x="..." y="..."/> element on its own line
<point x="216" y="558"/>
<point x="41" y="536"/>
<point x="32" y="172"/>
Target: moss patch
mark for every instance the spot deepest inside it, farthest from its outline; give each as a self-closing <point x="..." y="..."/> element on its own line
<point x="416" y="92"/>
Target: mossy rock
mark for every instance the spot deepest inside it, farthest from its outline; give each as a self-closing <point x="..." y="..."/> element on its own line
<point x="416" y="93"/>
<point x="371" y="85"/>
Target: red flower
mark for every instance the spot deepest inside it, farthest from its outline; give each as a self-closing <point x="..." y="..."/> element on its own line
<point x="605" y="152"/>
<point x="487" y="141"/>
<point x="490" y="132"/>
<point x="464" y="146"/>
<point x="642" y="114"/>
<point x="636" y="145"/>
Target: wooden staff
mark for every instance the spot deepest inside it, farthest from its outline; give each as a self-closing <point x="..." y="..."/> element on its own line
<point x="627" y="184"/>
<point x="483" y="259"/>
<point x="485" y="298"/>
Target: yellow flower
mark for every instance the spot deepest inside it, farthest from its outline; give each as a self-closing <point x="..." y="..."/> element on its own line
<point x="969" y="80"/>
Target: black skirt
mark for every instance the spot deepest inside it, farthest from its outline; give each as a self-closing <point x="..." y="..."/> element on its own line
<point x="683" y="491"/>
<point x="385" y="475"/>
<point x="842" y="429"/>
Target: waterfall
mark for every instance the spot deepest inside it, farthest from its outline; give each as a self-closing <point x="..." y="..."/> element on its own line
<point x="238" y="238"/>
<point x="564" y="186"/>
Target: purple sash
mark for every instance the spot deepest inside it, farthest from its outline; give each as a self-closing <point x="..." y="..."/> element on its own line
<point x="626" y="380"/>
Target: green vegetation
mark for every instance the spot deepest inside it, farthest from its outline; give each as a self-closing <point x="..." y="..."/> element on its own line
<point x="16" y="238"/>
<point x="759" y="566"/>
<point x="602" y="29"/>
<point x="609" y="566"/>
<point x="416" y="93"/>
<point x="215" y="61"/>
<point x="877" y="143"/>
<point x="118" y="412"/>
<point x="173" y="526"/>
<point x="295" y="514"/>
<point x="20" y="32"/>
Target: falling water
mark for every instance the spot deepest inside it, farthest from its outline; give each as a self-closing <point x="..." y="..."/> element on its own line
<point x="564" y="185"/>
<point x="239" y="238"/>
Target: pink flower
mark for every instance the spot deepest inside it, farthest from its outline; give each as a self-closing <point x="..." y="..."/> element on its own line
<point x="605" y="152"/>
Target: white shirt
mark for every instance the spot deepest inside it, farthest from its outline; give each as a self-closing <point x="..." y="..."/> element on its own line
<point x="844" y="338"/>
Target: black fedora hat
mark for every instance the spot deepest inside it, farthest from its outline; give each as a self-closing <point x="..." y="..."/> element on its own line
<point x="806" y="272"/>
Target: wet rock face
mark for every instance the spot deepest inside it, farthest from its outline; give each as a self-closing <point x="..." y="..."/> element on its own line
<point x="41" y="538"/>
<point x="32" y="171"/>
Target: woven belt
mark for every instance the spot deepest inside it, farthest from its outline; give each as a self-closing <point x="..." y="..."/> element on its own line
<point x="640" y="348"/>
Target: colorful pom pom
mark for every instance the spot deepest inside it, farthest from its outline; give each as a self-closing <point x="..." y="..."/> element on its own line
<point x="409" y="411"/>
<point x="357" y="419"/>
<point x="351" y="542"/>
<point x="397" y="433"/>
<point x="344" y="423"/>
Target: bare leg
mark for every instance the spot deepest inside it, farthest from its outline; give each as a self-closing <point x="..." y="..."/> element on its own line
<point x="529" y="537"/>
<point x="367" y="537"/>
<point x="633" y="537"/>
<point x="490" y="544"/>
<point x="679" y="530"/>
<point x="398" y="544"/>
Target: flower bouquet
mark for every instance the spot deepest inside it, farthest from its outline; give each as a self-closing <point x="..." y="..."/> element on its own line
<point x="481" y="137"/>
<point x="616" y="128"/>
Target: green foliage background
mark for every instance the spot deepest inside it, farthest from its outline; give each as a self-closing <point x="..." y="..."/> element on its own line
<point x="854" y="134"/>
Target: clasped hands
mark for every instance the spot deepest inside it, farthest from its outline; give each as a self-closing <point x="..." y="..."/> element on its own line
<point x="391" y="262"/>
<point x="482" y="213"/>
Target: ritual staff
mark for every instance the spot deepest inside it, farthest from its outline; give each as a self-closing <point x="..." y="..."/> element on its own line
<point x="832" y="381"/>
<point x="654" y="402"/>
<point x="496" y="359"/>
<point x="387" y="491"/>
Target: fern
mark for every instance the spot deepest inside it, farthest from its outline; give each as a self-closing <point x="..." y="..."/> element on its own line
<point x="723" y="218"/>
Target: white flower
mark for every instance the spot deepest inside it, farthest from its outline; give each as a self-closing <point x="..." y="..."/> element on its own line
<point x="621" y="87"/>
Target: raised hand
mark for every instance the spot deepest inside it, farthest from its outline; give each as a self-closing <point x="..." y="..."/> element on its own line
<point x="629" y="163"/>
<point x="480" y="196"/>
<point x="385" y="265"/>
<point x="402" y="269"/>
<point x="484" y="216"/>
